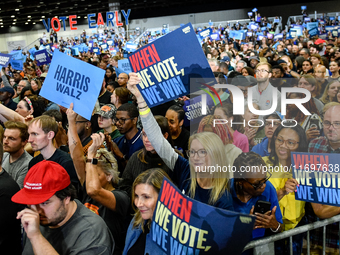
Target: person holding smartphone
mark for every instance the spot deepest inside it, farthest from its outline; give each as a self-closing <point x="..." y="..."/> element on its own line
<point x="250" y="189"/>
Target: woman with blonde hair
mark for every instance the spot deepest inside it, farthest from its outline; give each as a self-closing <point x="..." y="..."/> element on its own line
<point x="206" y="153"/>
<point x="330" y="93"/>
<point x="145" y="190"/>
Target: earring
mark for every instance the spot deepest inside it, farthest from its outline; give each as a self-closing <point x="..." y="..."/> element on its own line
<point x="87" y="127"/>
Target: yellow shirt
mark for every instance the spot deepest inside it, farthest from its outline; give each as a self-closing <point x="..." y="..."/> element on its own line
<point x="292" y="210"/>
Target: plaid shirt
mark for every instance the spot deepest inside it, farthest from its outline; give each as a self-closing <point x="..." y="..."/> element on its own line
<point x="321" y="145"/>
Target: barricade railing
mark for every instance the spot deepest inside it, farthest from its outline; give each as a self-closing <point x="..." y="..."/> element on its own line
<point x="265" y="246"/>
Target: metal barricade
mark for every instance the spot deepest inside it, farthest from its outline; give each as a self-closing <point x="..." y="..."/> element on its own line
<point x="265" y="246"/>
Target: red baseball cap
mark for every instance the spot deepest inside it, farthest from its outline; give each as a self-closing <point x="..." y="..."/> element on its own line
<point x="42" y="181"/>
<point x="319" y="41"/>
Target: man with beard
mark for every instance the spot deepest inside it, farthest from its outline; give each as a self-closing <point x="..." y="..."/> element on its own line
<point x="254" y="60"/>
<point x="277" y="79"/>
<point x="16" y="159"/>
<point x="330" y="143"/>
<point x="263" y="91"/>
<point x="66" y="225"/>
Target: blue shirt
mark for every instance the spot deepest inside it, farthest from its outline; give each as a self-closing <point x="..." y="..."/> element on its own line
<point x="128" y="147"/>
<point x="269" y="194"/>
<point x="262" y="148"/>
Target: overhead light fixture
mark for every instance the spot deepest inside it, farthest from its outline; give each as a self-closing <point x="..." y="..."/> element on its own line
<point x="85" y="17"/>
<point x="40" y="20"/>
<point x="28" y="20"/>
<point x="33" y="23"/>
<point x="15" y="20"/>
<point x="26" y="23"/>
<point x="28" y="16"/>
<point x="43" y="17"/>
<point x="78" y="17"/>
<point x="13" y="23"/>
<point x="12" y="16"/>
<point x="17" y="10"/>
<point x="2" y="26"/>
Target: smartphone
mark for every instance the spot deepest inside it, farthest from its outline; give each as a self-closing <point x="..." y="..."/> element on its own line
<point x="262" y="206"/>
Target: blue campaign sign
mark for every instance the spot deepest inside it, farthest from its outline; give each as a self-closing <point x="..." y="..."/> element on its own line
<point x="237" y="34"/>
<point x="312" y="28"/>
<point x="278" y="36"/>
<point x="249" y="33"/>
<point x="124" y="66"/>
<point x="5" y="59"/>
<point x="96" y="50"/>
<point x="109" y="42"/>
<point x="131" y="47"/>
<point x="16" y="54"/>
<point x="298" y="29"/>
<point x="70" y="80"/>
<point x="104" y="46"/>
<point x="317" y="175"/>
<point x="330" y="28"/>
<point x="17" y="64"/>
<point x="276" y="20"/>
<point x="263" y="28"/>
<point x="166" y="65"/>
<point x="42" y="57"/>
<point x="215" y="36"/>
<point x="32" y="51"/>
<point x="75" y="51"/>
<point x="196" y="228"/>
<point x="205" y="33"/>
<point x="254" y="27"/>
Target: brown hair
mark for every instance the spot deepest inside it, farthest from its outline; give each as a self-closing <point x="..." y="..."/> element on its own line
<point x="46" y="123"/>
<point x="20" y="126"/>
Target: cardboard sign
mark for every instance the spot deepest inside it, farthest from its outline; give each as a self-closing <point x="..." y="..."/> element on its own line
<point x="42" y="57"/>
<point x="237" y="34"/>
<point x="5" y="59"/>
<point x="131" y="47"/>
<point x="317" y="175"/>
<point x="205" y="33"/>
<point x="166" y="65"/>
<point x="312" y="28"/>
<point x="182" y="225"/>
<point x="70" y="80"/>
<point x="124" y="66"/>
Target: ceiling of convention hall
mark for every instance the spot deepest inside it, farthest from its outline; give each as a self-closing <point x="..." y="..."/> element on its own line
<point x="30" y="12"/>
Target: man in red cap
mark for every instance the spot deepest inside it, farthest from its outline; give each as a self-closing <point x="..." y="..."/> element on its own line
<point x="66" y="226"/>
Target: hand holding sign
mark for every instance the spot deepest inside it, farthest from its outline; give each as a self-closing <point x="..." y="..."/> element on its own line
<point x="290" y="186"/>
<point x="132" y="86"/>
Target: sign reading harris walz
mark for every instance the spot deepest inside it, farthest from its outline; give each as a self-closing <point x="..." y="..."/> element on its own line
<point x="91" y="19"/>
<point x="169" y="65"/>
<point x="318" y="175"/>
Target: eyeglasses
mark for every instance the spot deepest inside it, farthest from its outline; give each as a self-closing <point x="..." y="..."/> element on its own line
<point x="122" y="121"/>
<point x="327" y="124"/>
<point x="261" y="71"/>
<point x="260" y="184"/>
<point x="200" y="153"/>
<point x="290" y="143"/>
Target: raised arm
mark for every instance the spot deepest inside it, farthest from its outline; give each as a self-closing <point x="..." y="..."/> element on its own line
<point x="74" y="144"/>
<point x="150" y="125"/>
<point x="93" y="186"/>
<point x="9" y="114"/>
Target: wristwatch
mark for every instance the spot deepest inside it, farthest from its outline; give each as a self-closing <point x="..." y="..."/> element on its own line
<point x="93" y="161"/>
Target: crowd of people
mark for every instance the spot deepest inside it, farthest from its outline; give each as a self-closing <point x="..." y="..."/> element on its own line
<point x="79" y="186"/>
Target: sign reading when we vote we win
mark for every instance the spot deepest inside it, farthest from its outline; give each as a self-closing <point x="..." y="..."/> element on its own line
<point x="182" y="225"/>
<point x="318" y="175"/>
<point x="168" y="65"/>
<point x="70" y="80"/>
